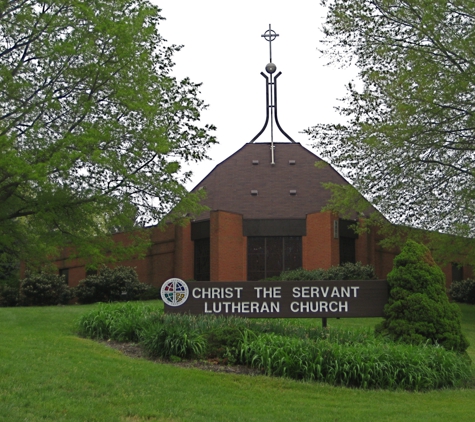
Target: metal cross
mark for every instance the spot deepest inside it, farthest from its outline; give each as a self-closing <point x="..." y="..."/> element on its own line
<point x="270" y="36"/>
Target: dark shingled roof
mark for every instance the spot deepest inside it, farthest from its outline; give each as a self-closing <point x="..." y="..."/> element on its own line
<point x="230" y="184"/>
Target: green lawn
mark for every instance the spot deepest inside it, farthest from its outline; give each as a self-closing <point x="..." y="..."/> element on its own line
<point x="47" y="373"/>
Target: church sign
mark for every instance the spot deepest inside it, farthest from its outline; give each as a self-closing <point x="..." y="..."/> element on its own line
<point x="277" y="299"/>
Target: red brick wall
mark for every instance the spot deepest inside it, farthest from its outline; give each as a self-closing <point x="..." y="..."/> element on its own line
<point x="156" y="267"/>
<point x="365" y="247"/>
<point x="319" y="248"/>
<point x="184" y="253"/>
<point x="228" y="247"/>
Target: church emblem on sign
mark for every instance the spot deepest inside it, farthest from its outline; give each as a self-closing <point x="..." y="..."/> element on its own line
<point x="174" y="292"/>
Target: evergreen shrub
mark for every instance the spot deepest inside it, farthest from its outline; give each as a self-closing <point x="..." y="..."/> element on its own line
<point x="111" y="285"/>
<point x="346" y="271"/>
<point x="418" y="310"/>
<point x="44" y="289"/>
<point x="463" y="291"/>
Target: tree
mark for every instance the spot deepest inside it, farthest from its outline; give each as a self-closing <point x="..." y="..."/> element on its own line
<point x="408" y="141"/>
<point x="419" y="309"/>
<point x="93" y="127"/>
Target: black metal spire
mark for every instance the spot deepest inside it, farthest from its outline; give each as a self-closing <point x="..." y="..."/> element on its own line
<point x="271" y="93"/>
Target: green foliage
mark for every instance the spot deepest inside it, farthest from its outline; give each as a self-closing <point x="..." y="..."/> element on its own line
<point x="116" y="321"/>
<point x="353" y="358"/>
<point x="372" y="364"/>
<point x="110" y="285"/>
<point x="10" y="293"/>
<point x="152" y="293"/>
<point x="223" y="343"/>
<point x="463" y="291"/>
<point x="418" y="309"/>
<point x="404" y="143"/>
<point x="43" y="289"/>
<point x="346" y="271"/>
<point x="93" y="128"/>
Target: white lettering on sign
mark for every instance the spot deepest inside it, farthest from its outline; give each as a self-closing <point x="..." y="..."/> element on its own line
<point x="321" y="306"/>
<point x="268" y="292"/>
<point x="309" y="292"/>
<point x="216" y="292"/>
<point x="241" y="307"/>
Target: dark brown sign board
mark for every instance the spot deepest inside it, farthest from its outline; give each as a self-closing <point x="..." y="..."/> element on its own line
<point x="277" y="299"/>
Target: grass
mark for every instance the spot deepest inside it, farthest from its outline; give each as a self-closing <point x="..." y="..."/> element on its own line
<point x="47" y="373"/>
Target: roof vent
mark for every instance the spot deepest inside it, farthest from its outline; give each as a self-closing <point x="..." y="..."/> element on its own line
<point x="255" y="162"/>
<point x="293" y="192"/>
<point x="254" y="192"/>
<point x="292" y="162"/>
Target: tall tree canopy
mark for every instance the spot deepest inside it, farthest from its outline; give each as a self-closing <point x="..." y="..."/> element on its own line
<point x="408" y="143"/>
<point x="93" y="127"/>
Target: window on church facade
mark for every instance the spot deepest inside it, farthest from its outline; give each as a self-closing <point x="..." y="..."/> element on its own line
<point x="268" y="256"/>
<point x="202" y="260"/>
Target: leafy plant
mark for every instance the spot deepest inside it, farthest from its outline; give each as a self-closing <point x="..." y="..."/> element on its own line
<point x="42" y="289"/>
<point x="111" y="284"/>
<point x="346" y="271"/>
<point x="463" y="291"/>
<point x="373" y="364"/>
<point x="418" y="309"/>
<point x="116" y="321"/>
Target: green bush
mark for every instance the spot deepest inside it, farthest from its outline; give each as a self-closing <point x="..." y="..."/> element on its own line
<point x="111" y="285"/>
<point x="10" y="294"/>
<point x="463" y="291"/>
<point x="418" y="309"/>
<point x="43" y="289"/>
<point x="347" y="271"/>
<point x="152" y="293"/>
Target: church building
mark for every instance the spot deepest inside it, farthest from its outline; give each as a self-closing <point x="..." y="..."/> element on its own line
<point x="265" y="216"/>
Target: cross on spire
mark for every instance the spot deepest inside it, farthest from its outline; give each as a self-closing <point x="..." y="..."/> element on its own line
<point x="270" y="35"/>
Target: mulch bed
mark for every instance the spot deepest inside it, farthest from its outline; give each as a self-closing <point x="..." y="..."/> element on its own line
<point x="135" y="351"/>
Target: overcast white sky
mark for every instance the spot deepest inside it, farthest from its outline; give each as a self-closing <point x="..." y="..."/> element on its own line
<point x="224" y="50"/>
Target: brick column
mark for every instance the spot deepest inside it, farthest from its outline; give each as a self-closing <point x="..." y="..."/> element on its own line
<point x="319" y="247"/>
<point x="184" y="253"/>
<point x="227" y="247"/>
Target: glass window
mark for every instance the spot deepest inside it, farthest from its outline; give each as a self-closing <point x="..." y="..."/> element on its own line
<point x="268" y="256"/>
<point x="347" y="250"/>
<point x="202" y="260"/>
<point x="457" y="272"/>
<point x="65" y="272"/>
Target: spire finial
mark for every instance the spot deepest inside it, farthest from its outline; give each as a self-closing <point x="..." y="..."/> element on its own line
<point x="270" y="36"/>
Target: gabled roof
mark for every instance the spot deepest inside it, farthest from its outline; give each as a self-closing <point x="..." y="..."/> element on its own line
<point x="289" y="189"/>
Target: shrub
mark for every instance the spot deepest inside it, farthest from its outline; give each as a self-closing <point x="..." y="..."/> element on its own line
<point x="152" y="293"/>
<point x="10" y="294"/>
<point x="43" y="289"/>
<point x="463" y="291"/>
<point x="418" y="309"/>
<point x="346" y="271"/>
<point x="111" y="285"/>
